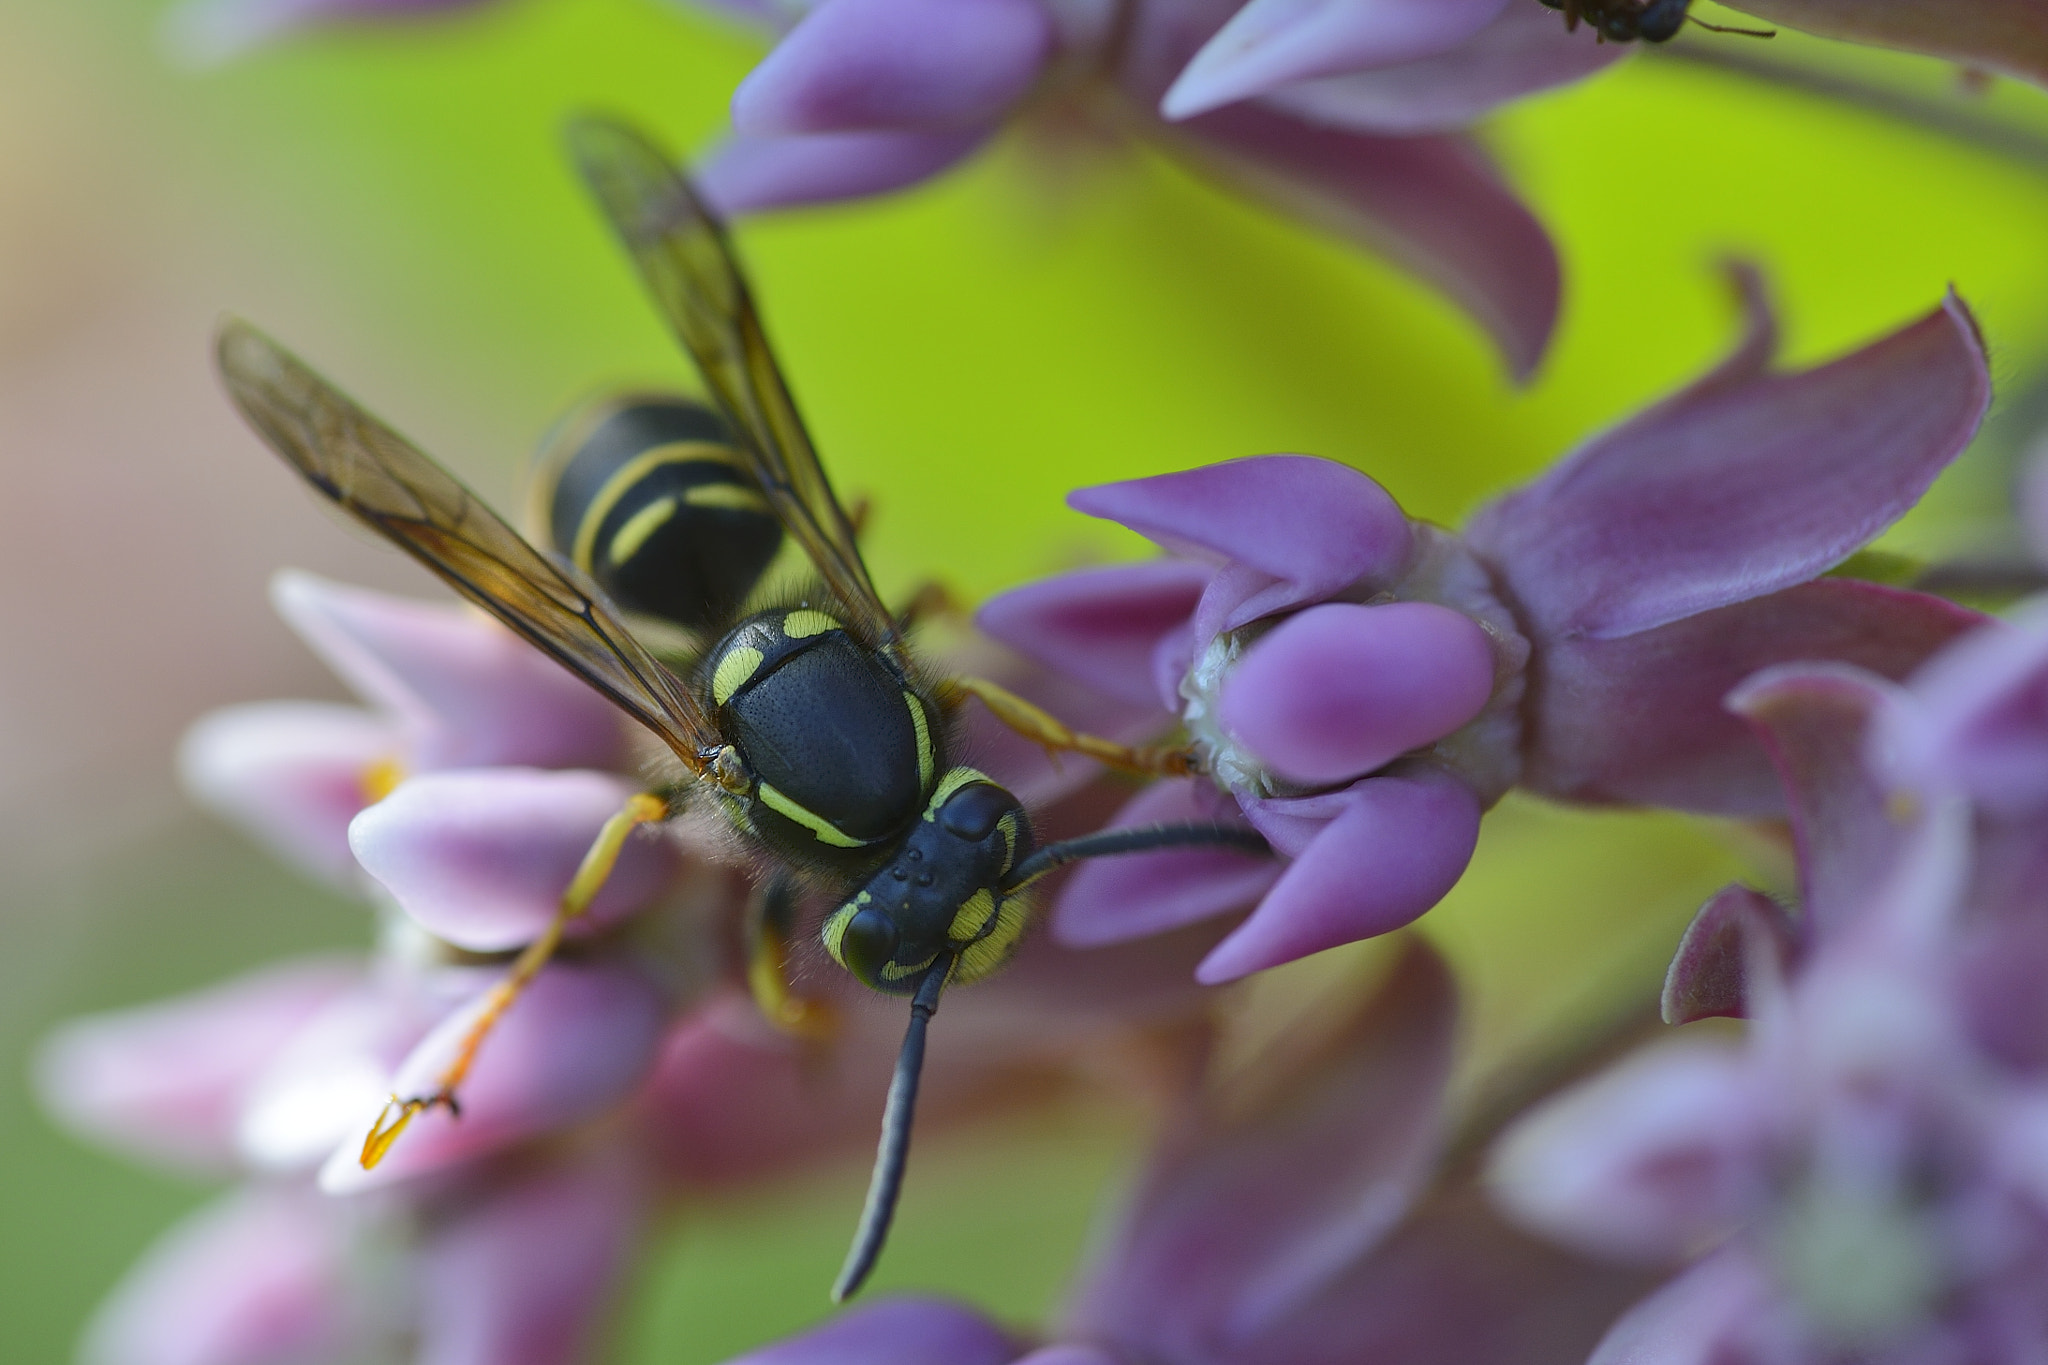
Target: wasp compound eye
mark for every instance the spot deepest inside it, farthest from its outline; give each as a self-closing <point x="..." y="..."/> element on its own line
<point x="972" y="812"/>
<point x="868" y="944"/>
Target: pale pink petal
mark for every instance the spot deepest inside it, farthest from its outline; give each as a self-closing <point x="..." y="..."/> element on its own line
<point x="166" y="1082"/>
<point x="1748" y="482"/>
<point x="1136" y="895"/>
<point x="1640" y="719"/>
<point x="1290" y="529"/>
<point x="1524" y="50"/>
<point x="1338" y="690"/>
<point x="1708" y="976"/>
<point x="258" y="1277"/>
<point x="1645" y="1161"/>
<point x="468" y="692"/>
<point x="1982" y="725"/>
<point x="894" y="1332"/>
<point x="1816" y="721"/>
<point x="1271" y="42"/>
<point x="752" y="174"/>
<point x="1070" y="1355"/>
<point x="1697" y="1319"/>
<point x="481" y="857"/>
<point x="292" y="773"/>
<point x="524" y="1273"/>
<point x="1433" y="205"/>
<point x="896" y="64"/>
<point x="1397" y="847"/>
<point x="2002" y="35"/>
<point x="1259" y="1200"/>
<point x="1100" y="625"/>
<point x="574" y="1045"/>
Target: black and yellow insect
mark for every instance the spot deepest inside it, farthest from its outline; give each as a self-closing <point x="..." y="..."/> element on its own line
<point x="1652" y="21"/>
<point x="809" y="722"/>
<point x="648" y="495"/>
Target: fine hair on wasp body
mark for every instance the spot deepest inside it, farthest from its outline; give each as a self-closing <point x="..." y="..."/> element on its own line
<point x="1652" y="21"/>
<point x="809" y="722"/>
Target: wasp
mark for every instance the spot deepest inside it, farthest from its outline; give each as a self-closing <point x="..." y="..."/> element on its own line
<point x="810" y="723"/>
<point x="1653" y="21"/>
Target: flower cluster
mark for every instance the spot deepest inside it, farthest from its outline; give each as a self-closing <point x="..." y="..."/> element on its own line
<point x="1364" y="685"/>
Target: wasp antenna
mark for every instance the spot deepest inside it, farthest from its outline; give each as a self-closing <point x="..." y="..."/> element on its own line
<point x="894" y="1149"/>
<point x="1738" y="32"/>
<point x="1138" y="839"/>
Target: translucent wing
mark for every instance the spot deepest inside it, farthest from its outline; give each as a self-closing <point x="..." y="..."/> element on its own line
<point x="382" y="478"/>
<point x="681" y="249"/>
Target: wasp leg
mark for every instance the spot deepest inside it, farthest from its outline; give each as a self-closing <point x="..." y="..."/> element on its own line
<point x="590" y="878"/>
<point x="771" y="920"/>
<point x="1163" y="760"/>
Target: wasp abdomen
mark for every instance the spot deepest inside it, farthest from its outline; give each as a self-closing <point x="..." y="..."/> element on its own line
<point x="841" y="747"/>
<point x="648" y="495"/>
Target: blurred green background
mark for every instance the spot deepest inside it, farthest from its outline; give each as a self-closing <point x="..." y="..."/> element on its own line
<point x="392" y="203"/>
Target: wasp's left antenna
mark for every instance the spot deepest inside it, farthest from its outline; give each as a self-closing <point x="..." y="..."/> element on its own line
<point x="887" y="1181"/>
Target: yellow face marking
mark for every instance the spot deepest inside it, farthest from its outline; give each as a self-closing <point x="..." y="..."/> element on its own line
<point x="638" y="527"/>
<point x="972" y="916"/>
<point x="953" y="781"/>
<point x="1007" y="827"/>
<point x="891" y="972"/>
<point x="803" y="623"/>
<point x="834" y="932"/>
<point x="986" y="954"/>
<point x="826" y="832"/>
<point x="732" y="672"/>
<point x="925" y="759"/>
<point x="732" y="497"/>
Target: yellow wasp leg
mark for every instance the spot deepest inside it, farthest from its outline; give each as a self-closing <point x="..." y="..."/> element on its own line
<point x="1042" y="727"/>
<point x="769" y="912"/>
<point x="583" y="888"/>
<point x="931" y="601"/>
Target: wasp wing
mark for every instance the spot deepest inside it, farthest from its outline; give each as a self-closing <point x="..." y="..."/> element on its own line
<point x="689" y="267"/>
<point x="389" y="483"/>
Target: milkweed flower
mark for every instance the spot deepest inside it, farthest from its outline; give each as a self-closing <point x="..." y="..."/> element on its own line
<point x="1363" y="685"/>
<point x="1289" y="1214"/>
<point x="1861" y="1177"/>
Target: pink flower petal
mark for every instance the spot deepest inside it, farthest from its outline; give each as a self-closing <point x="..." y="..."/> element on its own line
<point x="468" y="692"/>
<point x="1292" y="529"/>
<point x="1640" y="719"/>
<point x="1100" y="626"/>
<point x="1982" y="726"/>
<point x="752" y="174"/>
<point x="257" y="1277"/>
<point x="2002" y="35"/>
<point x="575" y="1044"/>
<point x="166" y="1082"/>
<point x="1648" y="1160"/>
<point x="1525" y="49"/>
<point x="1271" y="42"/>
<point x="894" y="1332"/>
<point x="1697" y="1319"/>
<point x="482" y="857"/>
<point x="1398" y="847"/>
<point x="1070" y="1355"/>
<point x="1708" y="976"/>
<point x="1340" y="690"/>
<point x="1136" y="895"/>
<point x="1748" y="482"/>
<point x="1433" y="205"/>
<point x="909" y="65"/>
<point x="1816" y="721"/>
<point x="525" y="1274"/>
<point x="1251" y="1208"/>
<point x="292" y="773"/>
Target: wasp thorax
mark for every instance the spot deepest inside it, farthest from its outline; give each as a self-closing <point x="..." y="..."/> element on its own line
<point x="940" y="894"/>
